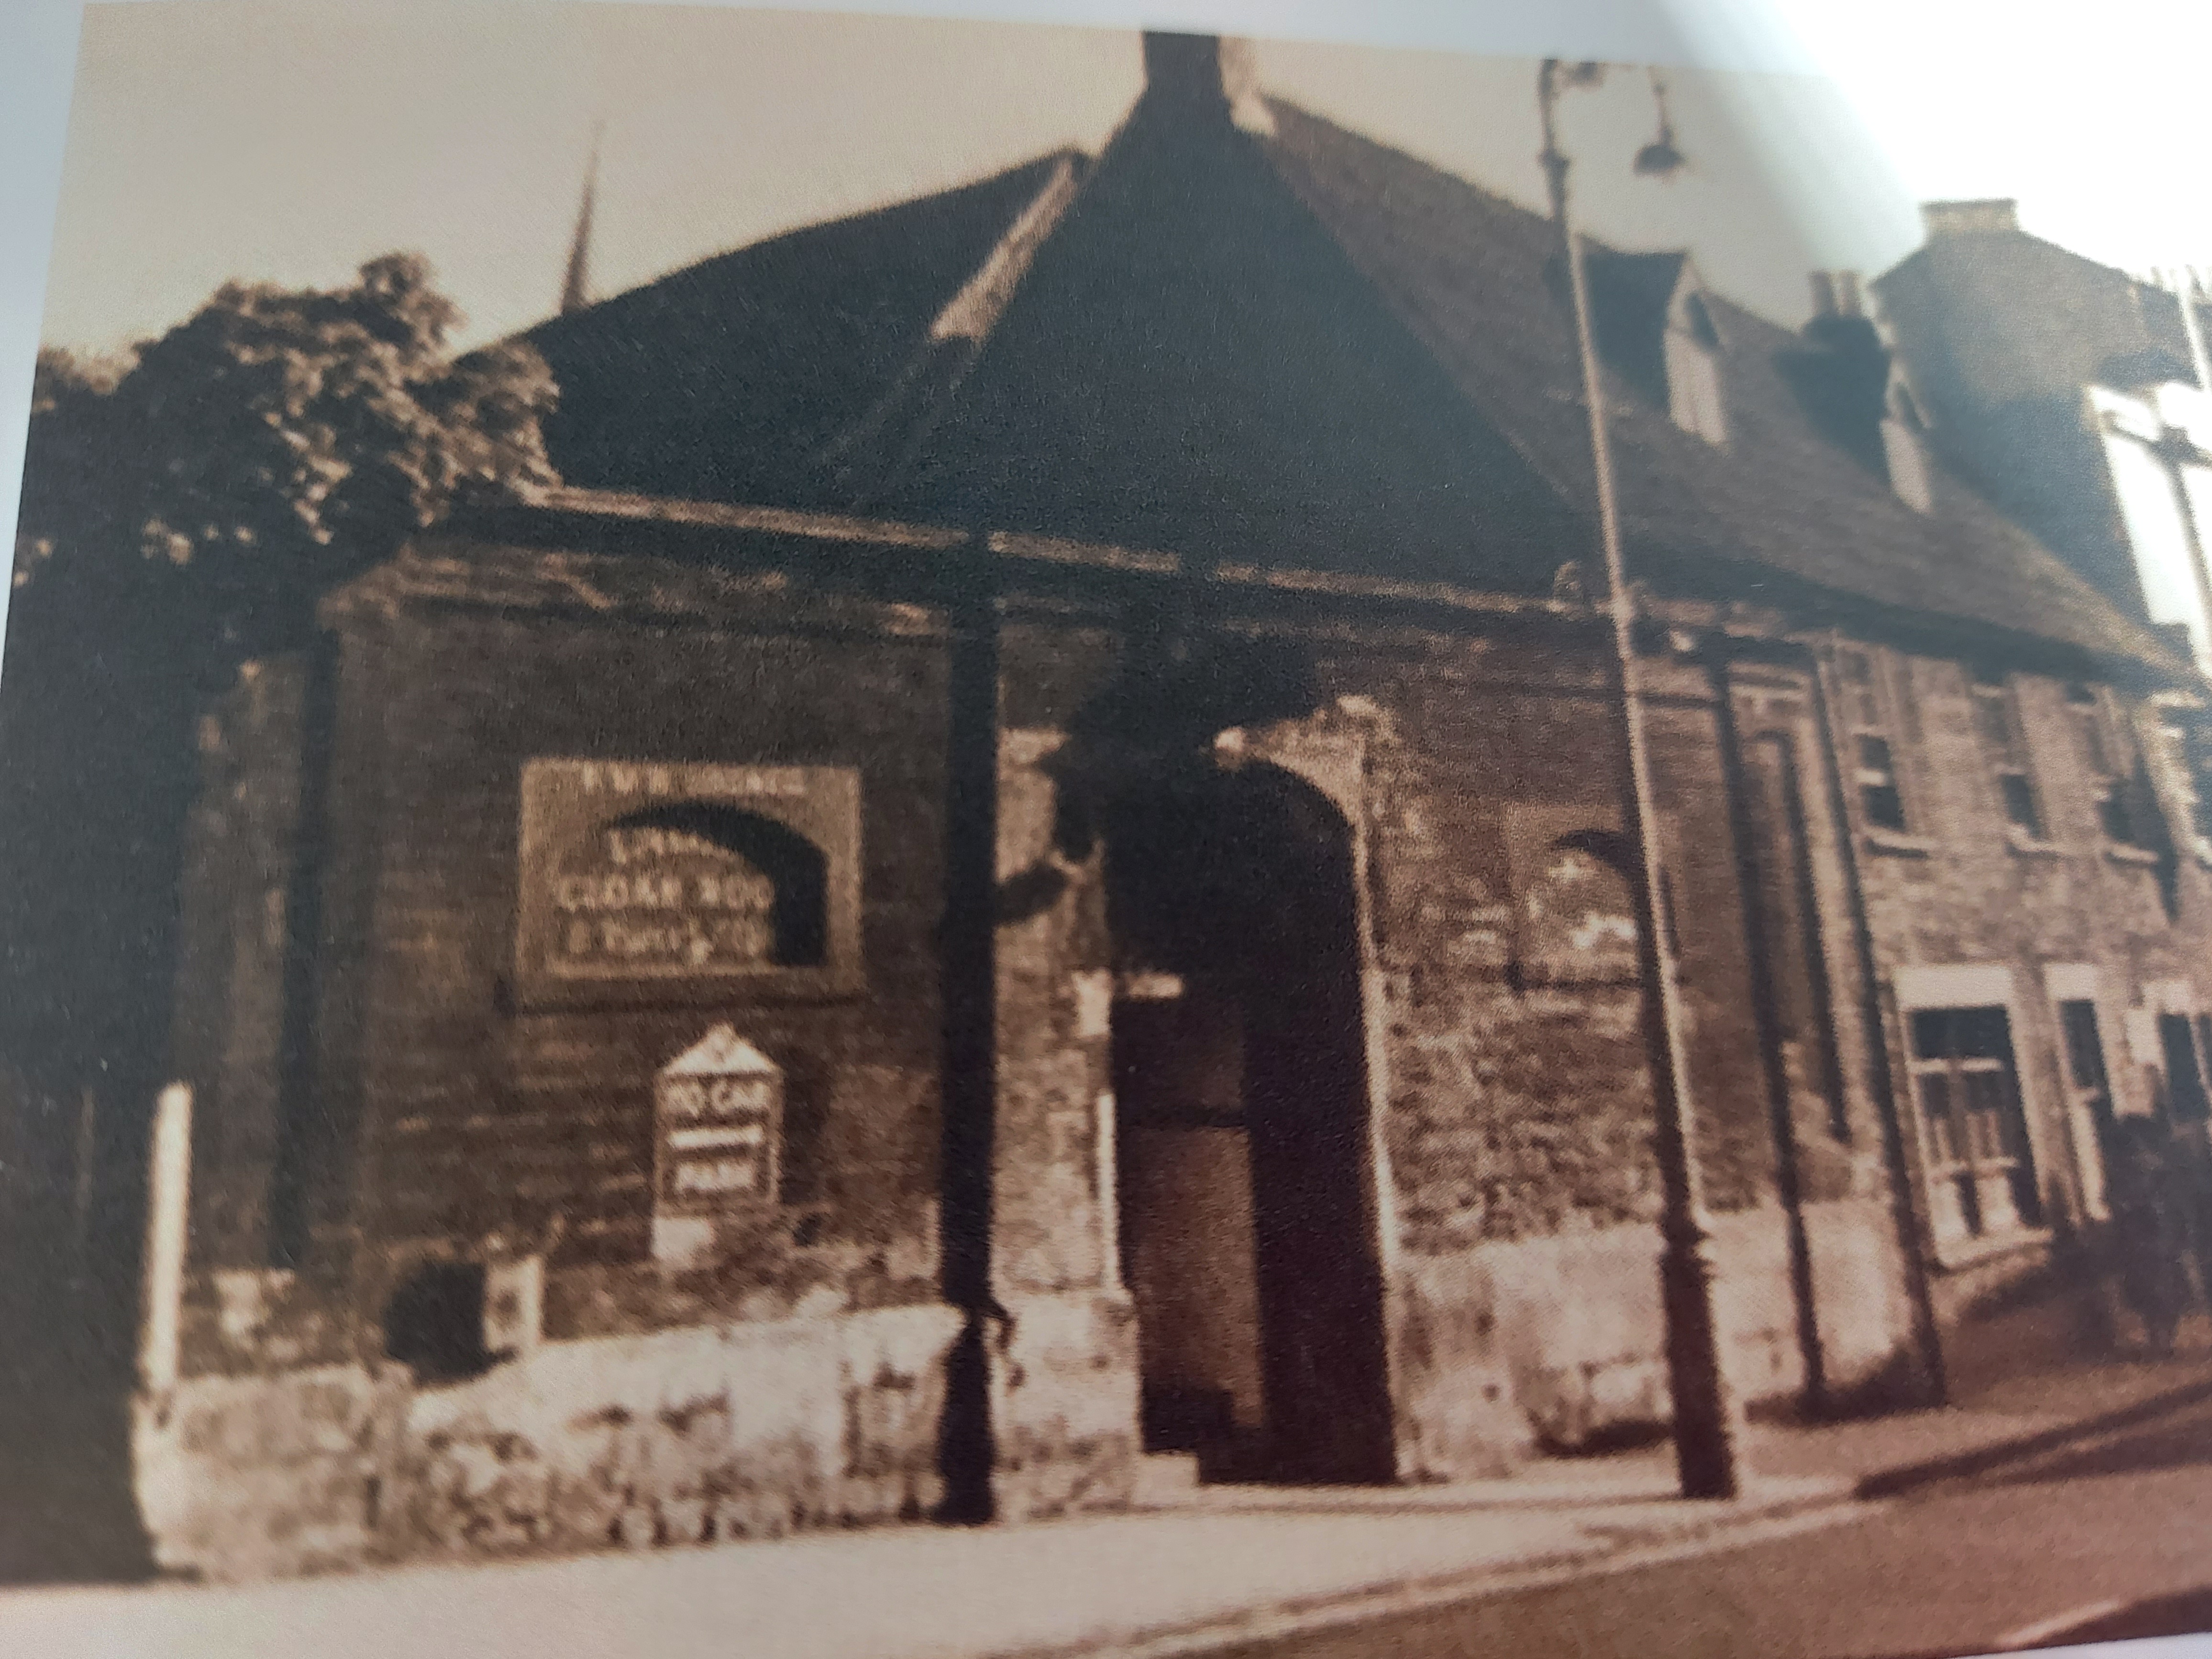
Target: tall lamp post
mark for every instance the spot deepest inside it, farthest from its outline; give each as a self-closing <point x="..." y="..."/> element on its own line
<point x="1706" y="1418"/>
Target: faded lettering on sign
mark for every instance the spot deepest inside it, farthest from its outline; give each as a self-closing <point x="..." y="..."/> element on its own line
<point x="650" y="874"/>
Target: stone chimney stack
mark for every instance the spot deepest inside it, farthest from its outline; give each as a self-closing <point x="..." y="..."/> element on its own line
<point x="1942" y="219"/>
<point x="1205" y="76"/>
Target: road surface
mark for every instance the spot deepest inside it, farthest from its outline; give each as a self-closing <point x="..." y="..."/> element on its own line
<point x="2109" y="1539"/>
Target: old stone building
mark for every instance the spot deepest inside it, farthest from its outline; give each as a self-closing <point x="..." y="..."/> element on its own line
<point x="2072" y="394"/>
<point x="1020" y="868"/>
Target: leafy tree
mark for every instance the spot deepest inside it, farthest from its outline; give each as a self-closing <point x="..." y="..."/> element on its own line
<point x="276" y="443"/>
<point x="183" y="509"/>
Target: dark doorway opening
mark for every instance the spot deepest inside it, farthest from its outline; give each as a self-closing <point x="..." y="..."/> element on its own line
<point x="1240" y="1070"/>
<point x="434" y="1322"/>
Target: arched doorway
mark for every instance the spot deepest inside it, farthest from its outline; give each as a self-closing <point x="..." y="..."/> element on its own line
<point x="1240" y="1075"/>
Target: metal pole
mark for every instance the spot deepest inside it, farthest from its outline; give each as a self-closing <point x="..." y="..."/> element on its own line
<point x="968" y="1453"/>
<point x="1706" y="1418"/>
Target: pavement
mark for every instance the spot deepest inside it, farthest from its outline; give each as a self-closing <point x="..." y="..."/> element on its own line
<point x="1194" y="1570"/>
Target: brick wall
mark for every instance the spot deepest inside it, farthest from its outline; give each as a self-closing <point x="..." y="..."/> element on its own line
<point x="234" y="929"/>
<point x="482" y="1116"/>
<point x="1514" y="1209"/>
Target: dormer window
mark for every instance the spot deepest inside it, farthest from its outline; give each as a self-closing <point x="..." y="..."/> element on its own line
<point x="1905" y="447"/>
<point x="1693" y="372"/>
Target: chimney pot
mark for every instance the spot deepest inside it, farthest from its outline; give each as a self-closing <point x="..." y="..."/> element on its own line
<point x="1969" y="218"/>
<point x="1836" y="293"/>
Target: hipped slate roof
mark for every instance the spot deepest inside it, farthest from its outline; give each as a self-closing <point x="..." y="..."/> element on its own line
<point x="1266" y="340"/>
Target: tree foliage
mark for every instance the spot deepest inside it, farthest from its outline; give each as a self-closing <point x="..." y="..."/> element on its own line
<point x="270" y="446"/>
<point x="184" y="509"/>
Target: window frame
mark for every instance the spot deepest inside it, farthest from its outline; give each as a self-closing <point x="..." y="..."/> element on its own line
<point x="2005" y="751"/>
<point x="1975" y="1151"/>
<point x="2104" y="770"/>
<point x="1696" y="400"/>
<point x="1866" y="715"/>
<point x="1905" y="447"/>
<point x="2185" y="746"/>
<point x="2092" y="1102"/>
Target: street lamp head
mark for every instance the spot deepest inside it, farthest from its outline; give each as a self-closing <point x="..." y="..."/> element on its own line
<point x="1663" y="157"/>
<point x="1660" y="159"/>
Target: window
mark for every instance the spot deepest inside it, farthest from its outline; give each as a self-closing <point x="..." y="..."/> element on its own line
<point x="1981" y="1176"/>
<point x="2091" y="1098"/>
<point x="1874" y="762"/>
<point x="2188" y="738"/>
<point x="1904" y="450"/>
<point x="2107" y="788"/>
<point x="1997" y="717"/>
<point x="2183" y="1097"/>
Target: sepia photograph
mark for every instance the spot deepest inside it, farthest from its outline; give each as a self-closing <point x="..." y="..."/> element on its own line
<point x="830" y="836"/>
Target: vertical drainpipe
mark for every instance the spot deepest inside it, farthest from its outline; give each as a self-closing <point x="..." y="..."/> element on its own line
<point x="288" y="1209"/>
<point x="1767" y="1018"/>
<point x="168" y="1238"/>
<point x="1913" y="1234"/>
<point x="967" y="954"/>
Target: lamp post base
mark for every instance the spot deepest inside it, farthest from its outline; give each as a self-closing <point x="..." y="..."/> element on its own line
<point x="1708" y="1421"/>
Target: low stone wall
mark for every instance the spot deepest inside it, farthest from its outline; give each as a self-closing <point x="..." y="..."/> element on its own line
<point x="243" y="1477"/>
<point x="1064" y="1406"/>
<point x="731" y="1431"/>
<point x="1507" y="1349"/>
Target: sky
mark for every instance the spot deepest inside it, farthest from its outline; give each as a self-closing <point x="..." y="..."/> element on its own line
<point x="213" y="139"/>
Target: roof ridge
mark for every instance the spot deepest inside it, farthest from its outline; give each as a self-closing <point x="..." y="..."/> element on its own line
<point x="1063" y="153"/>
<point x="868" y="457"/>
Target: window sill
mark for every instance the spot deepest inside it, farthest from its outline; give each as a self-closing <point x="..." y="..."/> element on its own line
<point x="1955" y="1255"/>
<point x="2141" y="857"/>
<point x="2033" y="847"/>
<point x="1891" y="843"/>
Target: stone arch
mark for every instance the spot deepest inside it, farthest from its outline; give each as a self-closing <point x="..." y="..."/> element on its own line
<point x="1245" y="1137"/>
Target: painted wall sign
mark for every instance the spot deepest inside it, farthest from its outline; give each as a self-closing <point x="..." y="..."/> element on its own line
<point x="1575" y="918"/>
<point x="718" y="1117"/>
<point x="655" y="880"/>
